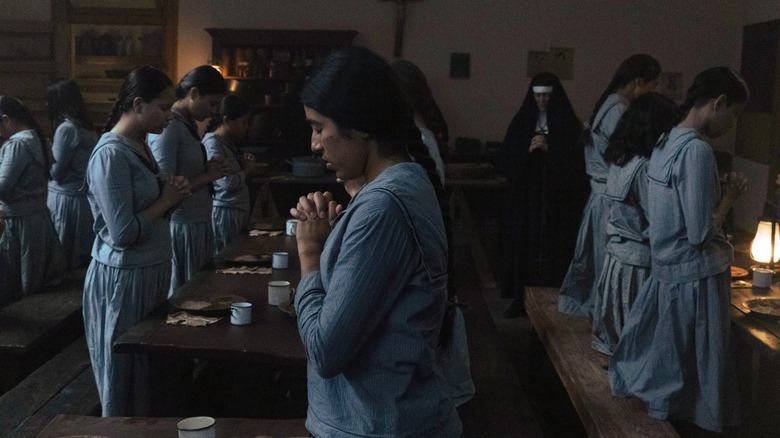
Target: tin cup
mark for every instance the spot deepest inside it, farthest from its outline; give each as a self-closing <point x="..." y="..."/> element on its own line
<point x="762" y="277"/>
<point x="291" y="226"/>
<point x="278" y="292"/>
<point x="241" y="313"/>
<point x="280" y="260"/>
<point x="197" y="427"/>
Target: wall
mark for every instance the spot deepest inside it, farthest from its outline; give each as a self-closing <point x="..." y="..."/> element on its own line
<point x="749" y="207"/>
<point x="498" y="34"/>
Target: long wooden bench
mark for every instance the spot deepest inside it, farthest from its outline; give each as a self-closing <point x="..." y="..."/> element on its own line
<point x="567" y="341"/>
<point x="63" y="385"/>
<point x="37" y="327"/>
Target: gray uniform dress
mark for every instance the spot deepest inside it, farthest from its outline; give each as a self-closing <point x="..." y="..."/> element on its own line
<point x="130" y="269"/>
<point x="627" y="263"/>
<point x="674" y="349"/>
<point x="178" y="151"/>
<point x="67" y="199"/>
<point x="579" y="285"/>
<point x="30" y="252"/>
<point x="230" y="213"/>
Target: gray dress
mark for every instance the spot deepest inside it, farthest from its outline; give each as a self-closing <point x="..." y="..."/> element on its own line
<point x="579" y="286"/>
<point x="627" y="263"/>
<point x="67" y="199"/>
<point x="129" y="273"/>
<point x="30" y="252"/>
<point x="674" y="349"/>
<point x="230" y="213"/>
<point x="178" y="151"/>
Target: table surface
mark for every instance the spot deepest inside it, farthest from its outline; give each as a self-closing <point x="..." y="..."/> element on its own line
<point x="272" y="337"/>
<point x="63" y="426"/>
<point x="761" y="332"/>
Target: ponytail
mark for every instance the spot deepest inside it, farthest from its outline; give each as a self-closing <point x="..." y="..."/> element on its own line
<point x="113" y="117"/>
<point x="148" y="83"/>
<point x="15" y="109"/>
<point x="639" y="66"/>
<point x="419" y="153"/>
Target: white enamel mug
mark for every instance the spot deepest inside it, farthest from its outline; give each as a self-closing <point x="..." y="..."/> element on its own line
<point x="278" y="292"/>
<point x="197" y="427"/>
<point x="241" y="313"/>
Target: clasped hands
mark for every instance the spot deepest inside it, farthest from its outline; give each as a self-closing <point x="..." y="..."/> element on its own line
<point x="538" y="142"/>
<point x="736" y="183"/>
<point x="316" y="214"/>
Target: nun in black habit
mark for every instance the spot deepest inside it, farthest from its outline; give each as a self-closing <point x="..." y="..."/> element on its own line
<point x="549" y="187"/>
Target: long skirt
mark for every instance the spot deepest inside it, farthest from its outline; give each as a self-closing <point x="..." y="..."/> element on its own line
<point x="115" y="300"/>
<point x="31" y="256"/>
<point x="191" y="244"/>
<point x="579" y="286"/>
<point x="674" y="352"/>
<point x="73" y="221"/>
<point x="227" y="224"/>
<point x="618" y="286"/>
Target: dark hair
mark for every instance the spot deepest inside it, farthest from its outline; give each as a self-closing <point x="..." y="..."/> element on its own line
<point x="15" y="109"/>
<point x="639" y="66"/>
<point x="63" y="99"/>
<point x="232" y="107"/>
<point x="205" y="78"/>
<point x="714" y="82"/>
<point x="639" y="129"/>
<point x="421" y="100"/>
<point x="144" y="82"/>
<point x="358" y="90"/>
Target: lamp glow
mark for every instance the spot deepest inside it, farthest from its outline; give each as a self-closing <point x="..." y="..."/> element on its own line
<point x="761" y="248"/>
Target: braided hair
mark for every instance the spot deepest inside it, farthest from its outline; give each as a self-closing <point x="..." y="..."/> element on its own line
<point x="63" y="99"/>
<point x="421" y="99"/>
<point x="15" y="109"/>
<point x="638" y="66"/>
<point x="144" y="82"/>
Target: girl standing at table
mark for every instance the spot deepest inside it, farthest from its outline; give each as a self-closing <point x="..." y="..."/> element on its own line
<point x="627" y="262"/>
<point x="131" y="258"/>
<point x="230" y="214"/>
<point x="674" y="349"/>
<point x="372" y="295"/>
<point x="29" y="248"/>
<point x="73" y="141"/>
<point x="179" y="151"/>
<point x="637" y="75"/>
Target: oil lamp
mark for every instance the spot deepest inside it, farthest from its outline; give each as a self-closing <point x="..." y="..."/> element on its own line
<point x="765" y="248"/>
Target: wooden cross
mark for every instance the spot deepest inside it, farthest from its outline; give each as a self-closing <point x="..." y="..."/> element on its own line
<point x="400" y="19"/>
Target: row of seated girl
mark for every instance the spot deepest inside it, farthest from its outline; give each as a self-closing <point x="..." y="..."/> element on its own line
<point x="651" y="267"/>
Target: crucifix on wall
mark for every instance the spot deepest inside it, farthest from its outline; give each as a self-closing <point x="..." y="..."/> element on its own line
<point x="400" y="19"/>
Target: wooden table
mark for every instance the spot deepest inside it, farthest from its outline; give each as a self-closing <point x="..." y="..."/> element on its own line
<point x="274" y="194"/>
<point x="133" y="427"/>
<point x="272" y="337"/>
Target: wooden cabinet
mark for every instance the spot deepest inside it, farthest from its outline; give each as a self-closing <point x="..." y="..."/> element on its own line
<point x="106" y="43"/>
<point x="27" y="64"/>
<point x="266" y="68"/>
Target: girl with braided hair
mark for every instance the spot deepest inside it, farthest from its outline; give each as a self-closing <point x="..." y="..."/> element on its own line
<point x="130" y="270"/>
<point x="179" y="151"/>
<point x="372" y="296"/>
<point x="30" y="252"/>
<point x="72" y="144"/>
